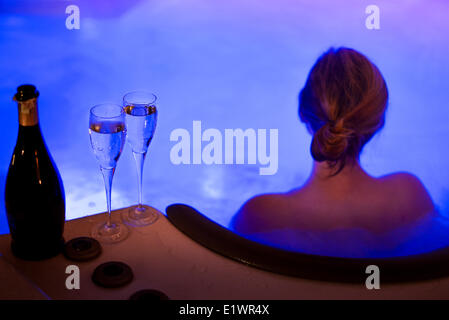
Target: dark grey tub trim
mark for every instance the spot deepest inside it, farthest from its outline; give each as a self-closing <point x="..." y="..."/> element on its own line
<point x="211" y="235"/>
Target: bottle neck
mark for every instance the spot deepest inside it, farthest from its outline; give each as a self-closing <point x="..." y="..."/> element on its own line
<point x="28" y="115"/>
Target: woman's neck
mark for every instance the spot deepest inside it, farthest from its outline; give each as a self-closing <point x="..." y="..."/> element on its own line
<point x="322" y="173"/>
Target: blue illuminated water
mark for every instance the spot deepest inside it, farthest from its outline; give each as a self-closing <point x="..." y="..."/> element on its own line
<point x="230" y="64"/>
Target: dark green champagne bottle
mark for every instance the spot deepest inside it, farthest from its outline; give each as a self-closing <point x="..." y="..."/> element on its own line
<point x="34" y="194"/>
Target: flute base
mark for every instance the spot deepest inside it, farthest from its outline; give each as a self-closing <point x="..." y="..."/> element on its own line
<point x="113" y="233"/>
<point x="140" y="216"/>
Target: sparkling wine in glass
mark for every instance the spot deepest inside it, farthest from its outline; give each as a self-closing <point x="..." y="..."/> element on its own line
<point x="140" y="119"/>
<point x="107" y="136"/>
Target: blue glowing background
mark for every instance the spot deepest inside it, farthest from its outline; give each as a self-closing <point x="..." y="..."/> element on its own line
<point x="230" y="64"/>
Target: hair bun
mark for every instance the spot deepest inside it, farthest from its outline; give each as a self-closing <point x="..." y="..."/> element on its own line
<point x="331" y="141"/>
<point x="343" y="102"/>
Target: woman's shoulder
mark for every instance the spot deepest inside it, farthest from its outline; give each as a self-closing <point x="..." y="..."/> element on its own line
<point x="408" y="190"/>
<point x="400" y="176"/>
<point x="261" y="212"/>
<point x="405" y="181"/>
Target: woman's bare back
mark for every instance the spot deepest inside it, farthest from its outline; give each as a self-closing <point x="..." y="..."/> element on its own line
<point x="377" y="205"/>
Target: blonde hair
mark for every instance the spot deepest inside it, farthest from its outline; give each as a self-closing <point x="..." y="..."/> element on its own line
<point x="344" y="102"/>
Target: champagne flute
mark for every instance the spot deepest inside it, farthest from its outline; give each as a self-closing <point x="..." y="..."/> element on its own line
<point x="107" y="136"/>
<point x="140" y="119"/>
